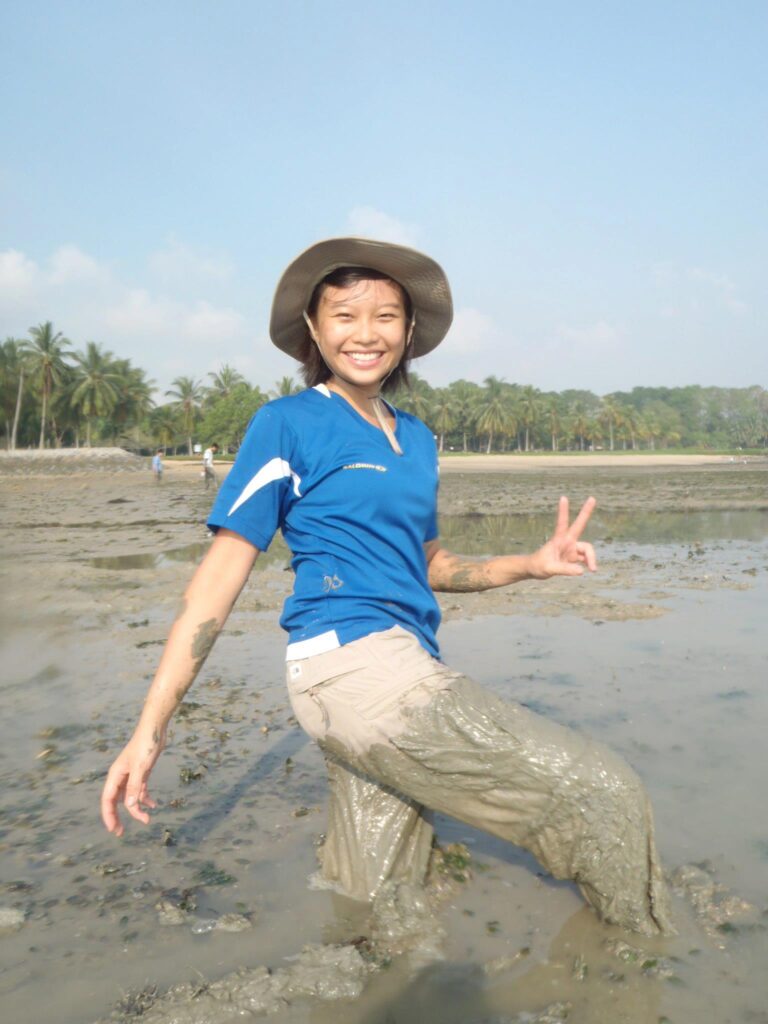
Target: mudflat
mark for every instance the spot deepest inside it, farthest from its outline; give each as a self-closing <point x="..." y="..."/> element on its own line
<point x="660" y="654"/>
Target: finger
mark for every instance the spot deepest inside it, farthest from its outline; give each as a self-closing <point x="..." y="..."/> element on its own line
<point x="133" y="798"/>
<point x="581" y="520"/>
<point x="587" y="555"/>
<point x="561" y="525"/>
<point x="145" y="798"/>
<point x="110" y="795"/>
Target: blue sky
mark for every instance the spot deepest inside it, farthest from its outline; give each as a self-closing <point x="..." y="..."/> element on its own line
<point x="592" y="176"/>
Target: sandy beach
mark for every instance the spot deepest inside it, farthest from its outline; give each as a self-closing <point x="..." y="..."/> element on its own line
<point x="661" y="654"/>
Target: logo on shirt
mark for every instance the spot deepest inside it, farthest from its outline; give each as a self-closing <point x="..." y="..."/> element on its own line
<point x="365" y="465"/>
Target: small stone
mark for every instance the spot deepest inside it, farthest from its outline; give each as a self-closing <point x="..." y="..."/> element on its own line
<point x="169" y="914"/>
<point x="11" y="919"/>
<point x="233" y="923"/>
<point x="301" y="812"/>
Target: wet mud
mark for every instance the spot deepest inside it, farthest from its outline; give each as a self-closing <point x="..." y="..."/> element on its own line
<point x="661" y="656"/>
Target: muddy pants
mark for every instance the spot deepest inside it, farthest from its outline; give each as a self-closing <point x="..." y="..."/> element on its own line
<point x="402" y="732"/>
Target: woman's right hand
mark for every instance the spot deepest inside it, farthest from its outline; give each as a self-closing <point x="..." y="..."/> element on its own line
<point x="127" y="781"/>
<point x="207" y="602"/>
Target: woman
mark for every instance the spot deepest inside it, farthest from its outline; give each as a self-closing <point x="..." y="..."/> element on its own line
<point x="352" y="484"/>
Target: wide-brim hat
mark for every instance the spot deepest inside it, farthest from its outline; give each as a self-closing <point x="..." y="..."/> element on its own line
<point x="423" y="279"/>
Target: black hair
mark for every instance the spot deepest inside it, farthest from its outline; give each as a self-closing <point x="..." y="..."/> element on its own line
<point x="313" y="368"/>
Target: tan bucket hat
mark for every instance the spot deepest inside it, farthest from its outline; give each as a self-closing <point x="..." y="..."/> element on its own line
<point x="421" y="276"/>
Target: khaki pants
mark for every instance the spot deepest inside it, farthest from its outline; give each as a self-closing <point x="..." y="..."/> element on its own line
<point x="402" y="732"/>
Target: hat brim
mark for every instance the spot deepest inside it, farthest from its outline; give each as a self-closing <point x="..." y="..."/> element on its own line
<point x="423" y="279"/>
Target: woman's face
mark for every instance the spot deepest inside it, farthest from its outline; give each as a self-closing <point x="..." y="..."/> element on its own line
<point x="361" y="332"/>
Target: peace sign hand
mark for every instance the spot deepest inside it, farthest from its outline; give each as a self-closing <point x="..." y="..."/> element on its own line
<point x="564" y="554"/>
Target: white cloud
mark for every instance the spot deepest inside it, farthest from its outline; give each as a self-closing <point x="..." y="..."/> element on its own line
<point x="368" y="222"/>
<point x="163" y="319"/>
<point x="471" y="331"/>
<point x="178" y="264"/>
<point x="69" y="265"/>
<point x="18" y="275"/>
<point x="166" y="330"/>
<point x="596" y="339"/>
<point x="697" y="290"/>
<point x="720" y="285"/>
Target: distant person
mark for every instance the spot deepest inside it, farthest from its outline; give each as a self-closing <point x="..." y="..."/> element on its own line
<point x="209" y="473"/>
<point x="157" y="465"/>
<point x="351" y="482"/>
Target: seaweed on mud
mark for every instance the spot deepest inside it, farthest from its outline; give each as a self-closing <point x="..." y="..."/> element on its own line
<point x="209" y="874"/>
<point x="135" y="1003"/>
<point x="453" y="861"/>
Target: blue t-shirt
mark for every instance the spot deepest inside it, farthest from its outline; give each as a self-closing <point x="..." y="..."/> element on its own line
<point x="355" y="515"/>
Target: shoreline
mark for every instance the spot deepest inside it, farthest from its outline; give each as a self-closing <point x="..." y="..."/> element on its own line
<point x="85" y="461"/>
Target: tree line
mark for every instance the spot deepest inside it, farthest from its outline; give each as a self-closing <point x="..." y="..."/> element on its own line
<point x="55" y="396"/>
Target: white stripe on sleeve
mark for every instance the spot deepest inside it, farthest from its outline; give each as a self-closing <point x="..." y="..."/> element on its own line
<point x="273" y="470"/>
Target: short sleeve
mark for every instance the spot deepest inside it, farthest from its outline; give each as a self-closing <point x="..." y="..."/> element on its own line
<point x="262" y="484"/>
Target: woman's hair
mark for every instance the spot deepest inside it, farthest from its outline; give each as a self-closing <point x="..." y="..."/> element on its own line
<point x="313" y="368"/>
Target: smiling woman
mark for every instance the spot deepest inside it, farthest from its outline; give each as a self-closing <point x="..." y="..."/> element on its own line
<point x="352" y="484"/>
<point x="342" y="298"/>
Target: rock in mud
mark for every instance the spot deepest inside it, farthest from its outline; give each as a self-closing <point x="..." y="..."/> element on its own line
<point x="11" y="919"/>
<point x="718" y="909"/>
<point x="319" y="972"/>
<point x="404" y="921"/>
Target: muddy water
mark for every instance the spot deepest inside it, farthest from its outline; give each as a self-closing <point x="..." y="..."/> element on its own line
<point x="662" y="655"/>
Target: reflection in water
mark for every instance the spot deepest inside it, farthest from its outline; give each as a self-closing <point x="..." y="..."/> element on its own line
<point x="154" y="560"/>
<point x="476" y="535"/>
<point x="493" y="535"/>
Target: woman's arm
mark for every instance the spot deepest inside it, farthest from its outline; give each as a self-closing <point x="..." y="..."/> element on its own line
<point x="564" y="554"/>
<point x="208" y="600"/>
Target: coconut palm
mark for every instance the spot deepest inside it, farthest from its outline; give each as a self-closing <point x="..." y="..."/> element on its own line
<point x="553" y="420"/>
<point x="224" y="382"/>
<point x="165" y="425"/>
<point x="442" y="414"/>
<point x="610" y="416"/>
<point x="134" y="400"/>
<point x="95" y="389"/>
<point x="284" y="387"/>
<point x="12" y="369"/>
<point x="494" y="414"/>
<point x="415" y="398"/>
<point x="580" y="425"/>
<point x="188" y="395"/>
<point x="465" y="396"/>
<point x="44" y="354"/>
<point x="528" y="411"/>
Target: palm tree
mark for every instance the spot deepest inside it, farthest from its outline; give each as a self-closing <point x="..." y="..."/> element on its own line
<point x="284" y="387"/>
<point x="579" y="423"/>
<point x="134" y="399"/>
<point x="610" y="416"/>
<point x="629" y="426"/>
<point x="529" y="410"/>
<point x="465" y="395"/>
<point x="188" y="394"/>
<point x="493" y="415"/>
<point x="11" y="386"/>
<point x="164" y="425"/>
<point x="442" y="415"/>
<point x="45" y="356"/>
<point x="553" y="417"/>
<point x="415" y="398"/>
<point x="95" y="390"/>
<point x="225" y="381"/>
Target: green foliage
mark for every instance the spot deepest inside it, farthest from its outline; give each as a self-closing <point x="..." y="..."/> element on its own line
<point x="49" y="394"/>
<point x="227" y="418"/>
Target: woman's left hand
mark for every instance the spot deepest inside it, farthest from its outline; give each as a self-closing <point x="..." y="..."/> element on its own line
<point x="564" y="554"/>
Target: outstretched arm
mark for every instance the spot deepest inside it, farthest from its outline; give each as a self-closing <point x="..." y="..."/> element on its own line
<point x="564" y="554"/>
<point x="208" y="600"/>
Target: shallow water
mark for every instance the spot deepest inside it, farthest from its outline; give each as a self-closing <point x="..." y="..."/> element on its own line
<point x="678" y="690"/>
